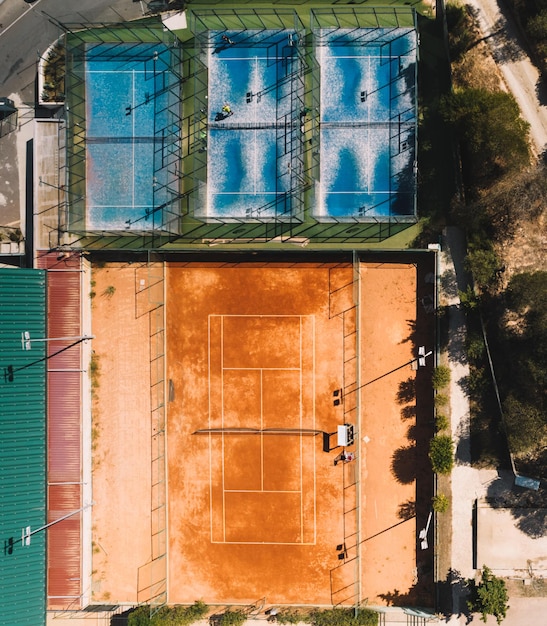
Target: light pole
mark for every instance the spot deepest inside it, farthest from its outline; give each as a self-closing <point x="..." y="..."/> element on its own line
<point x="420" y="361"/>
<point x="26" y="532"/>
<point x="26" y="341"/>
<point x="423" y="533"/>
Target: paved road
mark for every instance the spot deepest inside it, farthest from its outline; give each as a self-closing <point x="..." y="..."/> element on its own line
<point x="26" y="32"/>
<point x="520" y="75"/>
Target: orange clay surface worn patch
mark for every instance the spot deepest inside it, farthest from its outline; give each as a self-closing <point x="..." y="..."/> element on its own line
<point x="263" y="364"/>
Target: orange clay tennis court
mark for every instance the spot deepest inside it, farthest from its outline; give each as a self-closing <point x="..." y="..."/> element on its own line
<point x="261" y="360"/>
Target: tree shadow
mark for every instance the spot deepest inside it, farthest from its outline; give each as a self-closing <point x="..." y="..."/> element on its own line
<point x="407" y="391"/>
<point x="453" y="593"/>
<point x="449" y="284"/>
<point x="407" y="510"/>
<point x="503" y="43"/>
<point x="411" y="337"/>
<point x="463" y="443"/>
<point x="403" y="465"/>
<point x="457" y="334"/>
<point x="408" y="412"/>
<point x="412" y="433"/>
<point x="419" y="595"/>
<point x="527" y="507"/>
<point x="541" y="93"/>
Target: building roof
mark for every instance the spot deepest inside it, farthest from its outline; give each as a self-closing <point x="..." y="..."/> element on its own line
<point x="23" y="437"/>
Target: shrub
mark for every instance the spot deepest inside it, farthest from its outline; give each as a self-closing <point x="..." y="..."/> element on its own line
<point x="475" y="347"/>
<point x="469" y="299"/>
<point x="441" y="422"/>
<point x="172" y="615"/>
<point x="290" y="616"/>
<point x="483" y="263"/>
<point x="344" y="617"/>
<point x="440" y="503"/>
<point x="441" y="400"/>
<point x="233" y="618"/>
<point x="441" y="454"/>
<point x="441" y="377"/>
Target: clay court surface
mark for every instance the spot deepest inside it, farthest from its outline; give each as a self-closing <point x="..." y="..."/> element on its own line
<point x="258" y="513"/>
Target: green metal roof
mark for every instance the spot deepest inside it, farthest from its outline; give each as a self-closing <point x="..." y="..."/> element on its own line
<point x="23" y="447"/>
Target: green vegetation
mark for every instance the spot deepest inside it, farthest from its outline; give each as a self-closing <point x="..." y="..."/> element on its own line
<point x="441" y="454"/>
<point x="232" y="618"/>
<point x="441" y="422"/>
<point x="94" y="370"/>
<point x="440" y="503"/>
<point x="169" y="615"/>
<point x="290" y="616"/>
<point x="493" y="137"/>
<point x="441" y="400"/>
<point x="522" y="360"/>
<point x="489" y="596"/>
<point x="343" y="617"/>
<point x="441" y="377"/>
<point x="501" y="191"/>
<point x="54" y="75"/>
<point x="532" y="18"/>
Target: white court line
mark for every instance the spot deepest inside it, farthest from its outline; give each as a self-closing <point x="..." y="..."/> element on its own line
<point x="266" y="543"/>
<point x="301" y="421"/>
<point x="301" y="439"/>
<point x="222" y="423"/>
<point x="133" y="134"/>
<point x="262" y="490"/>
<point x="267" y="369"/>
<point x="313" y="423"/>
<point x="210" y="435"/>
<point x="261" y="427"/>
<point x="369" y="177"/>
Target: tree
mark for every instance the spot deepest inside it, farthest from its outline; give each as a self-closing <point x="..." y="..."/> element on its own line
<point x="489" y="597"/>
<point x="483" y="263"/>
<point x="526" y="425"/>
<point x="441" y="454"/>
<point x="493" y="135"/>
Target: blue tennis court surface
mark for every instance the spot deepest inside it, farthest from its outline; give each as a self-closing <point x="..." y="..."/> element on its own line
<point x="368" y="123"/>
<point x="126" y="108"/>
<point x="248" y="163"/>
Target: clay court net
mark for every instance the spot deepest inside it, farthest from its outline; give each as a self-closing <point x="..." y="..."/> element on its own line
<point x="258" y="431"/>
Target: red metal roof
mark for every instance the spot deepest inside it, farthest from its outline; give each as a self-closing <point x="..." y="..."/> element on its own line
<point x="64" y="585"/>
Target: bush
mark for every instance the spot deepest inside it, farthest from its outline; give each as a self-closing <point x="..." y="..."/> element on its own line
<point x="344" y="617"/>
<point x="441" y="454"/>
<point x="483" y="263"/>
<point x="469" y="300"/>
<point x="441" y="422"/>
<point x="233" y="618"/>
<point x="441" y="377"/>
<point x="290" y="616"/>
<point x="441" y="400"/>
<point x="475" y="347"/>
<point x="172" y="615"/>
<point x="440" y="503"/>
